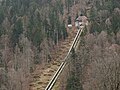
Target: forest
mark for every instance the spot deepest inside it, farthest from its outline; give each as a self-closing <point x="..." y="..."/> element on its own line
<point x="95" y="66"/>
<point x="31" y="29"/>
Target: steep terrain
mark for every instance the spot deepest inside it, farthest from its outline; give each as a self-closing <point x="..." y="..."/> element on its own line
<point x="95" y="66"/>
<point x="31" y="34"/>
<point x="41" y="77"/>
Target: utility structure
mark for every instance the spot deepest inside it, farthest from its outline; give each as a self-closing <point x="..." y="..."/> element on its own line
<point x="80" y="19"/>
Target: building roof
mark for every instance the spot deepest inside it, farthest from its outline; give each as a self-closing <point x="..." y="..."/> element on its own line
<point x="82" y="18"/>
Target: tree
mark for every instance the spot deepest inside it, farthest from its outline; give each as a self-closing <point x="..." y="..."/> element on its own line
<point x="118" y="36"/>
<point x="73" y="81"/>
<point x="17" y="31"/>
<point x="1" y="15"/>
<point x="101" y="70"/>
<point x="69" y="20"/>
<point x="115" y="23"/>
<point x="93" y="13"/>
<point x="64" y="31"/>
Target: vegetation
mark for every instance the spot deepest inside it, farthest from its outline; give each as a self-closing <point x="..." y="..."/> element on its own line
<point x="27" y="29"/>
<point x="17" y="31"/>
<point x="105" y="16"/>
<point x="95" y="65"/>
<point x="30" y="29"/>
<point x="74" y="81"/>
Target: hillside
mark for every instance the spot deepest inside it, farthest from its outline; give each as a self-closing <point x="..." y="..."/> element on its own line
<point x="30" y="31"/>
<point x="95" y="66"/>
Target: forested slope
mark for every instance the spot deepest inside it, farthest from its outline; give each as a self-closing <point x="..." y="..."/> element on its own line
<point x="29" y="30"/>
<point x="96" y="65"/>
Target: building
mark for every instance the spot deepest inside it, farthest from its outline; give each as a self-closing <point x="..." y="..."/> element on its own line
<point x="81" y="21"/>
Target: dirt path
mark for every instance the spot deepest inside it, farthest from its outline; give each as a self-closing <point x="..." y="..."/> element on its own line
<point x="41" y="77"/>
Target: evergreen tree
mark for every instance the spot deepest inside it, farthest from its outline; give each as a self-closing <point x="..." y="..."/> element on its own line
<point x="17" y="31"/>
<point x="1" y="15"/>
<point x="65" y="34"/>
<point x="69" y="20"/>
<point x="116" y="22"/>
<point x="93" y="14"/>
<point x="73" y="81"/>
